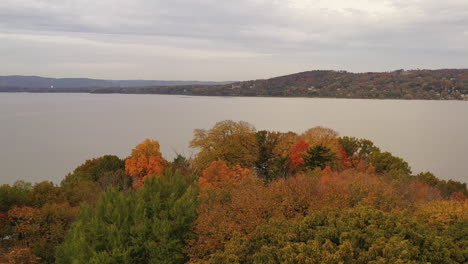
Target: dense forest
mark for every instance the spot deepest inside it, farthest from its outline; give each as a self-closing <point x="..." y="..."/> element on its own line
<point x="445" y="84"/>
<point x="247" y="196"/>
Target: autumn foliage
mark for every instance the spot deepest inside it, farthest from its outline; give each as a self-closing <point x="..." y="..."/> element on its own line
<point x="145" y="160"/>
<point x="246" y="197"/>
<point x="21" y="255"/>
<point x="219" y="174"/>
<point x="297" y="152"/>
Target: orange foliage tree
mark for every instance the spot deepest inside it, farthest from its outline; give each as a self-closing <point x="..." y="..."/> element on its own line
<point x="145" y="160"/>
<point x="21" y="255"/>
<point x="237" y="209"/>
<point x="250" y="203"/>
<point x="219" y="174"/>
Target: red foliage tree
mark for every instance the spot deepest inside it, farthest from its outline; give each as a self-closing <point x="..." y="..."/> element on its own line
<point x="296" y="153"/>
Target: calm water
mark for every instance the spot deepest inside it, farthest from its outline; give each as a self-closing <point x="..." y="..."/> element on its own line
<point x="45" y="136"/>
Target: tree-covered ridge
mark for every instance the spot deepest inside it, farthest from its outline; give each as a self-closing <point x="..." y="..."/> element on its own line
<point x="444" y="84"/>
<point x="248" y="196"/>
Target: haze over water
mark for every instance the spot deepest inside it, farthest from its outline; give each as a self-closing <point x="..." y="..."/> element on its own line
<point x="45" y="136"/>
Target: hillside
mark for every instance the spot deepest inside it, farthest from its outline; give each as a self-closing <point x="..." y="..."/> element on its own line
<point x="444" y="84"/>
<point x="414" y="84"/>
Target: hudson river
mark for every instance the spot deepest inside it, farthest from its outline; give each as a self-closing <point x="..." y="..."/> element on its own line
<point x="45" y="136"/>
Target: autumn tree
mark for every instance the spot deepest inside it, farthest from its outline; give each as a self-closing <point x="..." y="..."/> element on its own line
<point x="45" y="192"/>
<point x="274" y="160"/>
<point x="322" y="136"/>
<point x="117" y="179"/>
<point x="181" y="164"/>
<point x="24" y="223"/>
<point x="356" y="235"/>
<point x="297" y="153"/>
<point x="447" y="188"/>
<point x="104" y="164"/>
<point x="233" y="142"/>
<point x="219" y="174"/>
<point x="266" y="142"/>
<point x="17" y="194"/>
<point x="357" y="151"/>
<point x="53" y="220"/>
<point x="441" y="214"/>
<point x="385" y="162"/>
<point x="328" y="138"/>
<point x="92" y="169"/>
<point x="86" y="182"/>
<point x="82" y="192"/>
<point x="21" y="255"/>
<point x="145" y="160"/>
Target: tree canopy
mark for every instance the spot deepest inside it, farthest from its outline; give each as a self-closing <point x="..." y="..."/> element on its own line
<point x="246" y="197"/>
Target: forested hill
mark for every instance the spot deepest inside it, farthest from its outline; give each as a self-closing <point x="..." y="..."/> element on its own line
<point x="445" y="84"/>
<point x="415" y="84"/>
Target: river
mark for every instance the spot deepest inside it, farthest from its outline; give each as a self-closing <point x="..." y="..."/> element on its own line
<point x="45" y="136"/>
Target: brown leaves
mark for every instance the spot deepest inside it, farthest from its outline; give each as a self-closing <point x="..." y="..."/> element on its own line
<point x="21" y="255"/>
<point x="25" y="226"/>
<point x="219" y="174"/>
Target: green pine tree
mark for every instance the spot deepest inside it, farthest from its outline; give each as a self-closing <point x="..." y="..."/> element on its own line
<point x="147" y="226"/>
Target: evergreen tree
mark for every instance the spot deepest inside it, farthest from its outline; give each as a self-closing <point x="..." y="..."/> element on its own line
<point x="148" y="226"/>
<point x="318" y="156"/>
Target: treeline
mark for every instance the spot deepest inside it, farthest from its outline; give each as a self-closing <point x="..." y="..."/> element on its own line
<point x="446" y="84"/>
<point x="248" y="196"/>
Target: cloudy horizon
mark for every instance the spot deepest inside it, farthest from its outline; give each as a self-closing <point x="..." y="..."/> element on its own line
<point x="228" y="40"/>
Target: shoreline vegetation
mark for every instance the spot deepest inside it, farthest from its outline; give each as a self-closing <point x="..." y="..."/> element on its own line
<point x="247" y="196"/>
<point x="444" y="84"/>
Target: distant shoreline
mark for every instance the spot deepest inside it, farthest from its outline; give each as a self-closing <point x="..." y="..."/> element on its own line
<point x="203" y="95"/>
<point x="444" y="84"/>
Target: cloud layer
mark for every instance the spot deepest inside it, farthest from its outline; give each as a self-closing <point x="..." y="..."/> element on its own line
<point x="228" y="40"/>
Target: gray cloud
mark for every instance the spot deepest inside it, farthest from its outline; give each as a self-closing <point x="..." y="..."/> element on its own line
<point x="220" y="40"/>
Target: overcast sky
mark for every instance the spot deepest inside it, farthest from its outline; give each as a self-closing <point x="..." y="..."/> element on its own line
<point x="228" y="39"/>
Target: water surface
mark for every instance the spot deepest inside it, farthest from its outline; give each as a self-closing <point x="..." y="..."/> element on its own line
<point x="45" y="136"/>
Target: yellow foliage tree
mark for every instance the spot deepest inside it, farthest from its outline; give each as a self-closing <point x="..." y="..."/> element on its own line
<point x="285" y="142"/>
<point x="443" y="213"/>
<point x="233" y="142"/>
